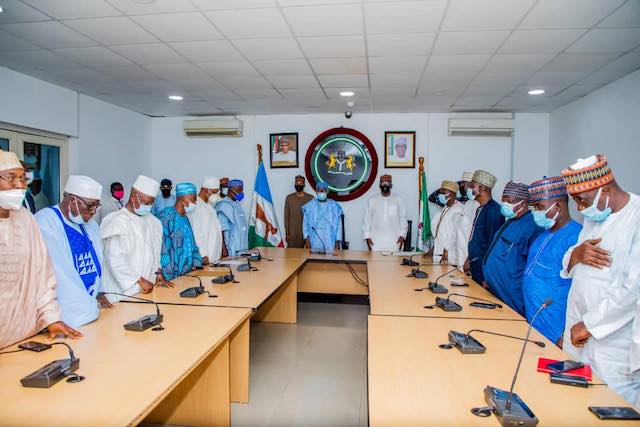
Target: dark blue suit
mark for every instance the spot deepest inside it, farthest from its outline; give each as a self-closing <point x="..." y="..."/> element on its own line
<point x="488" y="221"/>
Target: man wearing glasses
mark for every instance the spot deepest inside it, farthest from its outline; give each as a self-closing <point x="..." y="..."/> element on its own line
<point x="73" y="241"/>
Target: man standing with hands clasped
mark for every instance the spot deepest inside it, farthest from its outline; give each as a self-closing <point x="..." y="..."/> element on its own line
<point x="385" y="220"/>
<point x="605" y="268"/>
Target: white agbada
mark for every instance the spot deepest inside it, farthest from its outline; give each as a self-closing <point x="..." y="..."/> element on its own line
<point x="463" y="233"/>
<point x="206" y="230"/>
<point x="606" y="300"/>
<point x="385" y="219"/>
<point x="444" y="228"/>
<point x="634" y="357"/>
<point x="131" y="250"/>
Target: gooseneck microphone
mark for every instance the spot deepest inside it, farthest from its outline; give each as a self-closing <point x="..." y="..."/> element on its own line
<point x="437" y="288"/>
<point x="247" y="266"/>
<point x="509" y="408"/>
<point x="448" y="305"/>
<point x="409" y="261"/>
<point x="538" y="343"/>
<point x="196" y="291"/>
<point x="324" y="246"/>
<point x="51" y="373"/>
<point x="225" y="278"/>
<point x="145" y="322"/>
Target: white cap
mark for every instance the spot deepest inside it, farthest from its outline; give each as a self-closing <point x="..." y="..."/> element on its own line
<point x="146" y="185"/>
<point x="9" y="160"/>
<point x="583" y="163"/>
<point x="467" y="176"/>
<point x="211" y="182"/>
<point x="83" y="186"/>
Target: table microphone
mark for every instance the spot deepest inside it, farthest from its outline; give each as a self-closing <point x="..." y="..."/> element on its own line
<point x="196" y="291"/>
<point x="144" y="322"/>
<point x="324" y="247"/>
<point x="538" y="343"/>
<point x="436" y="288"/>
<point x="448" y="305"/>
<point x="51" y="373"/>
<point x="225" y="278"/>
<point x="509" y="408"/>
<point x="409" y="261"/>
<point x="247" y="266"/>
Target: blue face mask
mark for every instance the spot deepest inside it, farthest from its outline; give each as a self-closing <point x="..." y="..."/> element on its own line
<point x="508" y="210"/>
<point x="541" y="219"/>
<point x="77" y="219"/>
<point x="190" y="207"/>
<point x="322" y="196"/>
<point x="592" y="213"/>
<point x="470" y="194"/>
<point x="240" y="196"/>
<point x="442" y="199"/>
<point x="142" y="210"/>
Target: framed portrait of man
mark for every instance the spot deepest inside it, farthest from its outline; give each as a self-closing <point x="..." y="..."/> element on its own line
<point x="284" y="150"/>
<point x="400" y="149"/>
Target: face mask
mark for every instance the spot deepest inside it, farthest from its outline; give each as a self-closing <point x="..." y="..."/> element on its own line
<point x="470" y="194"/>
<point x="213" y="199"/>
<point x="508" y="209"/>
<point x="385" y="188"/>
<point x="12" y="199"/>
<point x="298" y="187"/>
<point x="322" y="196"/>
<point x="442" y="199"/>
<point x="76" y="219"/>
<point x="239" y="197"/>
<point x="29" y="177"/>
<point x="592" y="213"/>
<point x="458" y="195"/>
<point x="541" y="219"/>
<point x="190" y="207"/>
<point x="142" y="210"/>
<point x="118" y="194"/>
<point x="166" y="193"/>
<point x="224" y="190"/>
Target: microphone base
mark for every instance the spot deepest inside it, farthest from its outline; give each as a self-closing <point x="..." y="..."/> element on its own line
<point x="409" y="262"/>
<point x="244" y="267"/>
<point x="51" y="373"/>
<point x="437" y="288"/>
<point x="448" y="305"/>
<point x="419" y="274"/>
<point x="144" y="323"/>
<point x="221" y="280"/>
<point x="466" y="344"/>
<point x="518" y="415"/>
<point x="192" y="292"/>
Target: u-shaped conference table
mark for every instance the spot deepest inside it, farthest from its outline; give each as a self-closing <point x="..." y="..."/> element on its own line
<point x="189" y="373"/>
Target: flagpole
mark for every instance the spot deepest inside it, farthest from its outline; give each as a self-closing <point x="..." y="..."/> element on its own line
<point x="420" y="173"/>
<point x="259" y="146"/>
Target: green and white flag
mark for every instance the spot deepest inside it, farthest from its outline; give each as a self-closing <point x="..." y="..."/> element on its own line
<point x="424" y="221"/>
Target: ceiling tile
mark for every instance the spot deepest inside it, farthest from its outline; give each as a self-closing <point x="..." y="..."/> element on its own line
<point x="357" y="65"/>
<point x="149" y="53"/>
<point x="333" y="47"/>
<point x="94" y="57"/>
<point x="397" y="64"/>
<point x="547" y="79"/>
<point x="540" y="41"/>
<point x="114" y="30"/>
<point x="177" y="27"/>
<point x="627" y="16"/>
<point x="449" y="63"/>
<point x="250" y="23"/>
<point x="579" y="61"/>
<point x="232" y="4"/>
<point x="228" y="68"/>
<point x="11" y="43"/>
<point x="303" y="94"/>
<point x="603" y="77"/>
<point x="395" y="80"/>
<point x="263" y="49"/>
<point x="40" y="59"/>
<point x="477" y="101"/>
<point x="607" y="40"/>
<point x="568" y="13"/>
<point x="254" y="94"/>
<point x="459" y="77"/>
<point x="245" y="82"/>
<point x="48" y="34"/>
<point x="497" y="91"/>
<point x="196" y="84"/>
<point x="218" y="95"/>
<point x="285" y="67"/>
<point x="344" y="80"/>
<point x="464" y="15"/>
<point x="178" y="71"/>
<point x="287" y="3"/>
<point x="469" y="42"/>
<point x="404" y="16"/>
<point x="511" y="78"/>
<point x="626" y="63"/>
<point x="517" y="63"/>
<point x="429" y="89"/>
<point x="151" y="7"/>
<point x="16" y="11"/>
<point x="207" y="51"/>
<point x="399" y="44"/>
<point x="294" y="82"/>
<point x="325" y="20"/>
<point x="71" y="9"/>
<point x="128" y="73"/>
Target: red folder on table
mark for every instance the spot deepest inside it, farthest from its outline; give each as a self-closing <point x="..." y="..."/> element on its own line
<point x="585" y="371"/>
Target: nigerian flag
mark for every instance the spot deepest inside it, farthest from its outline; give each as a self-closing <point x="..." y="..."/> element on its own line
<point x="263" y="225"/>
<point x="424" y="221"/>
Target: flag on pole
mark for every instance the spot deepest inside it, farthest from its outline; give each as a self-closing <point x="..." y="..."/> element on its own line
<point x="424" y="220"/>
<point x="263" y="224"/>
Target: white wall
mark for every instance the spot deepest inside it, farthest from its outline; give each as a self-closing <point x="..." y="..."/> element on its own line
<point x="606" y="121"/>
<point x="27" y="101"/>
<point x="189" y="159"/>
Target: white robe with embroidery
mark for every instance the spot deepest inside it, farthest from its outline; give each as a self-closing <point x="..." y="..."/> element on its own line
<point x="444" y="229"/>
<point x="206" y="230"/>
<point x="385" y="220"/>
<point x="463" y="233"/>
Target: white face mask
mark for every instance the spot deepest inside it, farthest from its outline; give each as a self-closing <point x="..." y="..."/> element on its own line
<point x="214" y="198"/>
<point x="190" y="207"/>
<point x="29" y="177"/>
<point x="12" y="199"/>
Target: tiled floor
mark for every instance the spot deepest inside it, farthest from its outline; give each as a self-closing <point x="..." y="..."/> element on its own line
<point x="313" y="373"/>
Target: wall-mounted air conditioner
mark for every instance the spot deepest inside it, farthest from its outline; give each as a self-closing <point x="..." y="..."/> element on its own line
<point x="213" y="128"/>
<point x="481" y="127"/>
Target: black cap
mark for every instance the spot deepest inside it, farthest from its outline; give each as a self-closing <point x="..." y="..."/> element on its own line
<point x="165" y="182"/>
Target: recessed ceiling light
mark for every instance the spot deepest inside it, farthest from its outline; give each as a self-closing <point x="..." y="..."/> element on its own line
<point x="536" y="92"/>
<point x="175" y="97"/>
<point x="1" y="9"/>
<point x="347" y="93"/>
